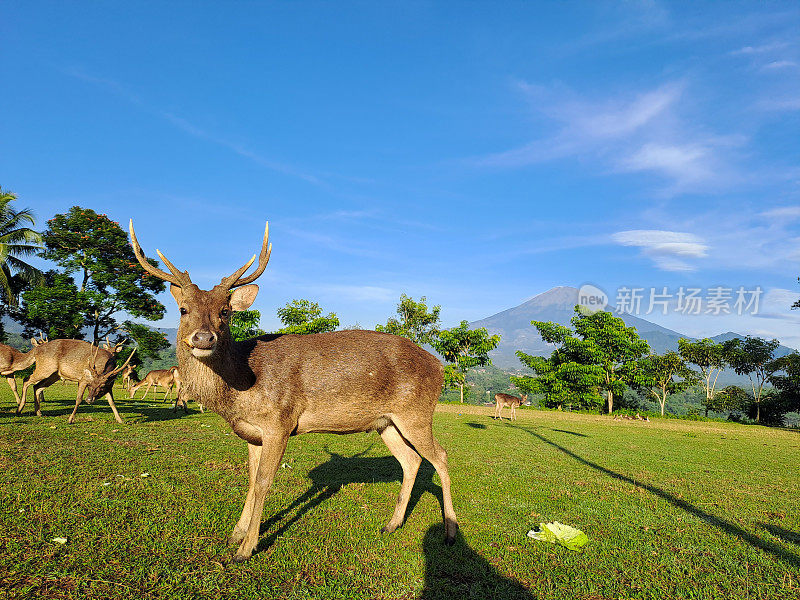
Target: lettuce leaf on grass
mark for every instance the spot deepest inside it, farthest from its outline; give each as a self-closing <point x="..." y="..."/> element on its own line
<point x="558" y="533"/>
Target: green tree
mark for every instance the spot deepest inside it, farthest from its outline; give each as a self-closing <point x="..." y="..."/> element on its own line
<point x="566" y="377"/>
<point x="786" y="380"/>
<point x="304" y="316"/>
<point x="149" y="342"/>
<point x="55" y="308"/>
<point x="463" y="349"/>
<point x="659" y="373"/>
<point x="244" y="324"/>
<point x="709" y="357"/>
<point x="612" y="346"/>
<point x="413" y="321"/>
<point x="731" y="399"/>
<point x="17" y="241"/>
<point x="754" y="357"/>
<point x="96" y="249"/>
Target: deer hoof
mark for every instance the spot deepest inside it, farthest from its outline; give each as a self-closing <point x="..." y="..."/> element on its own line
<point x="451" y="528"/>
<point x="388" y="528"/>
<point x="236" y="537"/>
<point x="239" y="558"/>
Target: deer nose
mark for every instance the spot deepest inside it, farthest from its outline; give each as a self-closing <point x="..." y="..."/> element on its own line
<point x="203" y="340"/>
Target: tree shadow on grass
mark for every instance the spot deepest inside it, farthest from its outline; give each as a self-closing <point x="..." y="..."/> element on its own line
<point x="713" y="520"/>
<point x="476" y="425"/>
<point x="458" y="571"/>
<point x="338" y="471"/>
<point x="785" y="534"/>
<point x="570" y="432"/>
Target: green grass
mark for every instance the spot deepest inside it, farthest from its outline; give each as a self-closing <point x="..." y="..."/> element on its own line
<point x="672" y="509"/>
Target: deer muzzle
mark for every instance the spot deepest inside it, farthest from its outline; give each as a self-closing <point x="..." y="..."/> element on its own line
<point x="202" y="343"/>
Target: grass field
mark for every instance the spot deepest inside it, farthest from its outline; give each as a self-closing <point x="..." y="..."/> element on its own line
<point x="673" y="509"/>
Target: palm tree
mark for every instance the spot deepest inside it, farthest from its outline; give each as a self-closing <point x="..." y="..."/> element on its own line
<point x="16" y="241"/>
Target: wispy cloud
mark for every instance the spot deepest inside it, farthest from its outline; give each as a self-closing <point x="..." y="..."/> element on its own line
<point x="780" y="64"/>
<point x="186" y="126"/>
<point x="639" y="132"/>
<point x="669" y="250"/>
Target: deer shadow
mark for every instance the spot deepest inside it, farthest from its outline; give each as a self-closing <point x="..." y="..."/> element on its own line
<point x="132" y="410"/>
<point x="570" y="432"/>
<point x="338" y="471"/>
<point x="708" y="518"/>
<point x="786" y="535"/>
<point x="458" y="571"/>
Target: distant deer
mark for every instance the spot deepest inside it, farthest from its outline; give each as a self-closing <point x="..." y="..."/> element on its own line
<point x="128" y="374"/>
<point x="165" y="378"/>
<point x="275" y="386"/>
<point x="90" y="366"/>
<point x="507" y="400"/>
<point x="11" y="361"/>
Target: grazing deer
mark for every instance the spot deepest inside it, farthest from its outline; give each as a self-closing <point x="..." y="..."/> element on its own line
<point x="275" y="386"/>
<point x="11" y="361"/>
<point x="504" y="400"/>
<point x="90" y="366"/>
<point x="165" y="378"/>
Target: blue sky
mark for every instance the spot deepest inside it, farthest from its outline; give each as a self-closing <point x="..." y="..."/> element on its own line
<point x="474" y="153"/>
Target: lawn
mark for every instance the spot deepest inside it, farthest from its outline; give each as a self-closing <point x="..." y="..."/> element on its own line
<point x="673" y="509"/>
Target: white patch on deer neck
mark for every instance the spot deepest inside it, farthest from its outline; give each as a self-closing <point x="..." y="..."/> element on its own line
<point x="202" y="352"/>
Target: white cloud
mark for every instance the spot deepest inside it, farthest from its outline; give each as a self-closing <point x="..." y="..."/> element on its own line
<point x="783" y="213"/>
<point x="780" y="64"/>
<point x="668" y="249"/>
<point x="641" y="132"/>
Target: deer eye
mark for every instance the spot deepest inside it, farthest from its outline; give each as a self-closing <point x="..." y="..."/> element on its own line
<point x="183" y="310"/>
<point x="224" y="313"/>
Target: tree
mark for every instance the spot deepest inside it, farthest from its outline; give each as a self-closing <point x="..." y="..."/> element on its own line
<point x="16" y="241"/>
<point x="464" y="349"/>
<point x="754" y="357"/>
<point x="566" y="377"/>
<point x="244" y="324"/>
<point x="149" y="342"/>
<point x="659" y="373"/>
<point x="786" y="380"/>
<point x="96" y="249"/>
<point x="612" y="346"/>
<point x="55" y="308"/>
<point x="414" y="321"/>
<point x="731" y="399"/>
<point x="709" y="357"/>
<point x="304" y="316"/>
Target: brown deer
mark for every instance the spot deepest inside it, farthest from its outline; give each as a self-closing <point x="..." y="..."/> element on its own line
<point x="275" y="386"/>
<point x="128" y="374"/>
<point x="160" y="378"/>
<point x="11" y="361"/>
<point x="507" y="400"/>
<point x="90" y="366"/>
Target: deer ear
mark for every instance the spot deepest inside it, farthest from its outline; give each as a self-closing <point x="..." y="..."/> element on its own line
<point x="241" y="298"/>
<point x="176" y="292"/>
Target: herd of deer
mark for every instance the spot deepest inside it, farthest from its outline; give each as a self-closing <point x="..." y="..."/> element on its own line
<point x="90" y="366"/>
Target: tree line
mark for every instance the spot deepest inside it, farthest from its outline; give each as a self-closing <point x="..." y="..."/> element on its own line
<point x="599" y="357"/>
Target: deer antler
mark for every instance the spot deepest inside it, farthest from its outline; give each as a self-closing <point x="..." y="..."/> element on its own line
<point x="236" y="279"/>
<point x="125" y="364"/>
<point x="181" y="279"/>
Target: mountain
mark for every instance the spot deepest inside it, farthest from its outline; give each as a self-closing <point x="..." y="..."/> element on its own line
<point x="557" y="304"/>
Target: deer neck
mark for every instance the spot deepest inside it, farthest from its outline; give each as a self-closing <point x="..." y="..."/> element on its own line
<point x="217" y="380"/>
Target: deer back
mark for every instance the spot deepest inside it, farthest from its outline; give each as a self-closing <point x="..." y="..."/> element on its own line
<point x="72" y="358"/>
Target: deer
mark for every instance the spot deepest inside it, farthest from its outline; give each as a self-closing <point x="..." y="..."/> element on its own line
<point x="504" y="400"/>
<point x="90" y="366"/>
<point x="11" y="361"/>
<point x="165" y="378"/>
<point x="128" y="374"/>
<point x="273" y="387"/>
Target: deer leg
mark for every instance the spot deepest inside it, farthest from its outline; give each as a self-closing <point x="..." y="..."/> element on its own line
<point x="272" y="449"/>
<point x="253" y="454"/>
<point x="110" y="399"/>
<point x="421" y="438"/>
<point x="81" y="390"/>
<point x="410" y="461"/>
<point x="12" y="383"/>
